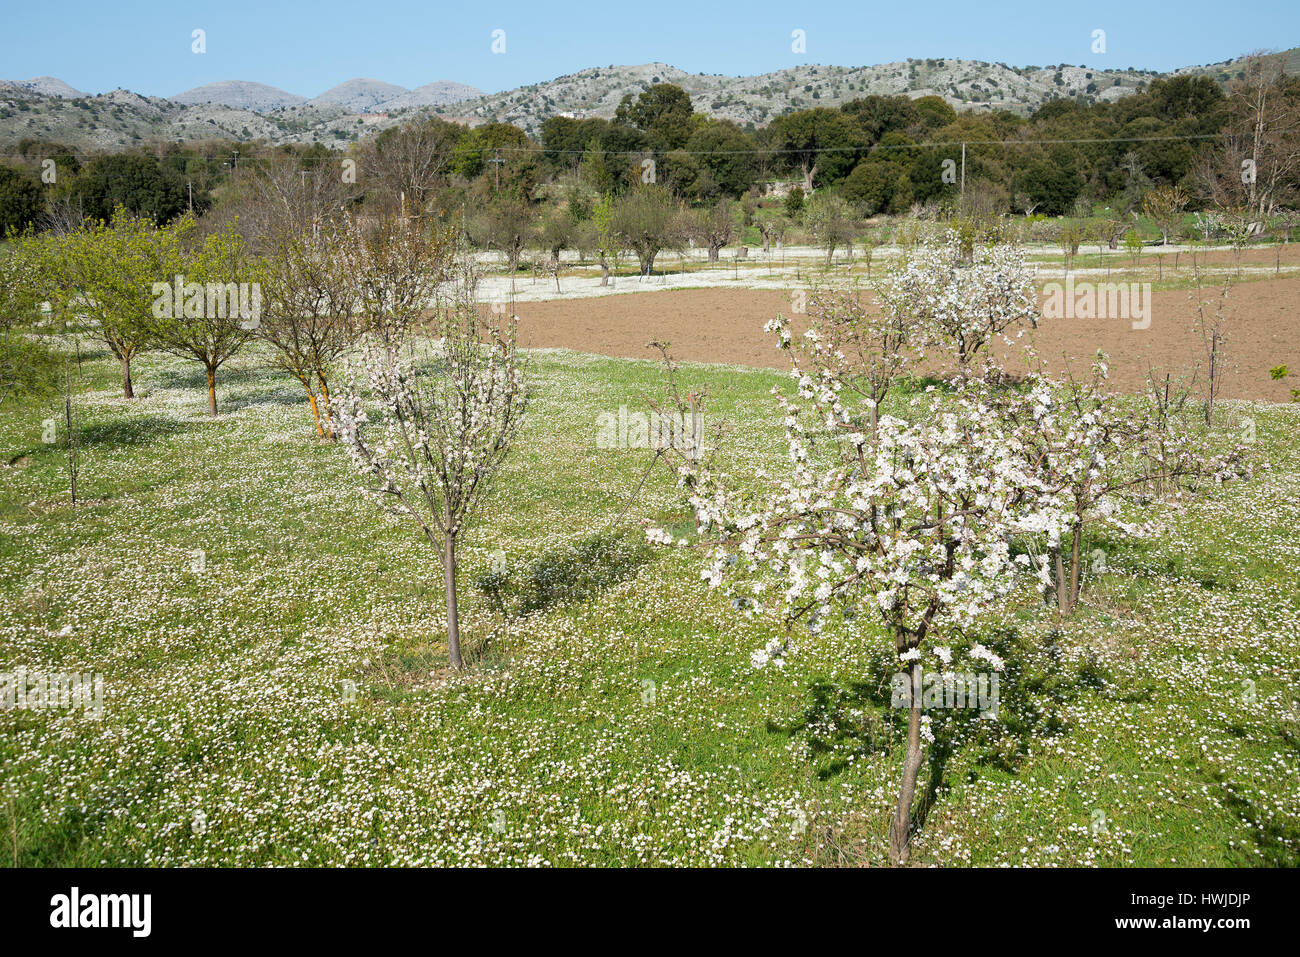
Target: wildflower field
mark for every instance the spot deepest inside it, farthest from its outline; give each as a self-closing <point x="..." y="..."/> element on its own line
<point x="277" y="692"/>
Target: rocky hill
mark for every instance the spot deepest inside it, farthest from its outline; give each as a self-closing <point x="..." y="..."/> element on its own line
<point x="239" y="95"/>
<point x="42" y="86"/>
<point x="431" y="94"/>
<point x="47" y="108"/>
<point x="966" y="84"/>
<point x="359" y="95"/>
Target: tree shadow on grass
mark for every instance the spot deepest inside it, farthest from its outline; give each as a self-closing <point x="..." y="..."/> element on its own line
<point x="1276" y="838"/>
<point x="193" y="376"/>
<point x="845" y="724"/>
<point x="262" y="389"/>
<point x="119" y="433"/>
<point x="134" y="431"/>
<point x="842" y="724"/>
<point x="575" y="572"/>
<point x="281" y="397"/>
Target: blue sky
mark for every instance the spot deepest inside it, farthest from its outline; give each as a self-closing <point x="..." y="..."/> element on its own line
<point x="307" y="47"/>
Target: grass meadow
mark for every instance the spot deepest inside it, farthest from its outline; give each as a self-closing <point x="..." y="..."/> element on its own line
<point x="276" y="689"/>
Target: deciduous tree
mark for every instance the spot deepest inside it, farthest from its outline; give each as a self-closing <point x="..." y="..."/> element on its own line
<point x="646" y="219"/>
<point x="443" y="426"/>
<point x="309" y="310"/>
<point x="107" y="272"/>
<point x="211" y="307"/>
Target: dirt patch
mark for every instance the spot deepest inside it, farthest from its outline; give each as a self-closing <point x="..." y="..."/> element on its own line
<point x="1181" y="257"/>
<point x="726" y="326"/>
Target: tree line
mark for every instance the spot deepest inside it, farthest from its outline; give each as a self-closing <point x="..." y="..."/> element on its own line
<point x="1233" y="146"/>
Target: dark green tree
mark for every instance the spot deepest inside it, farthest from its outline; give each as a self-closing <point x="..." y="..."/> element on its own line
<point x="21" y="201"/>
<point x="727" y="152"/>
<point x="136" y="182"/>
<point x="663" y="112"/>
<point x="822" y="144"/>
<point x="871" y="186"/>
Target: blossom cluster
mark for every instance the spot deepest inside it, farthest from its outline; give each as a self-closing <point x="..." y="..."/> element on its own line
<point x="961" y="298"/>
<point x="442" y="427"/>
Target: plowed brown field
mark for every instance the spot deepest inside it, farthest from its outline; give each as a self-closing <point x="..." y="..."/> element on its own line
<point x="726" y="326"/>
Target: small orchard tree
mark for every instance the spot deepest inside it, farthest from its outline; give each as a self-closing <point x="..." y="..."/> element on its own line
<point x="1070" y="237"/>
<point x="107" y="271"/>
<point x="506" y="225"/>
<point x="27" y="365"/>
<point x="1082" y="447"/>
<point x="678" y="434"/>
<point x="211" y="307"/>
<point x="442" y="429"/>
<point x="646" y="219"/>
<point x="865" y="351"/>
<point x="308" y="314"/>
<point x="606" y="236"/>
<point x="714" y="227"/>
<point x="1165" y="205"/>
<point x="1211" y="324"/>
<point x="1090" y="451"/>
<point x="556" y="233"/>
<point x="830" y="220"/>
<point x="398" y="264"/>
<point x="912" y="524"/>
<point x="962" y="304"/>
<point x="1133" y="243"/>
<point x="1236" y="225"/>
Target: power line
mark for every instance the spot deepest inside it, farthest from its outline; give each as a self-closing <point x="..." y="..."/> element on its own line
<point x="778" y="151"/>
<point x="891" y="146"/>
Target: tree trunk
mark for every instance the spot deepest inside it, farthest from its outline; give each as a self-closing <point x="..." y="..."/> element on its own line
<point x="128" y="392"/>
<point x="899" y="847"/>
<point x="604" y="271"/>
<point x="315" y="413"/>
<point x="212" y="391"/>
<point x="328" y="431"/>
<point x="1075" y="547"/>
<point x="453" y="619"/>
<point x="713" y="252"/>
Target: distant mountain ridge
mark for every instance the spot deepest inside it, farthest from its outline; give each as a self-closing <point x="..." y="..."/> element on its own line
<point x="47" y="108"/>
<point x="968" y="85"/>
<point x="358" y="95"/>
<point x="441" y="93"/>
<point x="240" y="95"/>
<point x="44" y="86"/>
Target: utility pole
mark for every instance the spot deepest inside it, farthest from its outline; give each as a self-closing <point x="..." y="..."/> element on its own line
<point x="497" y="161"/>
<point x="963" y="173"/>
<point x="189" y="184"/>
